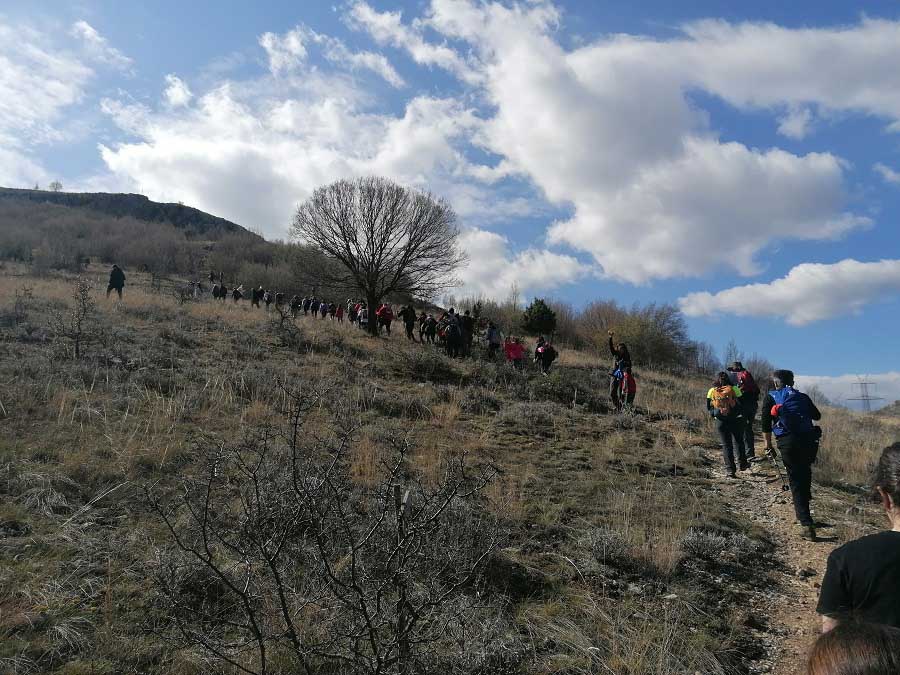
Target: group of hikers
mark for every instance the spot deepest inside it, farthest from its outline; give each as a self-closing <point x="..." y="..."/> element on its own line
<point x="859" y="600"/>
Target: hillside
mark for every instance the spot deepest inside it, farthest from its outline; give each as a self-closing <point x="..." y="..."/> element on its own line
<point x="289" y="493"/>
<point x="139" y="207"/>
<point x="891" y="410"/>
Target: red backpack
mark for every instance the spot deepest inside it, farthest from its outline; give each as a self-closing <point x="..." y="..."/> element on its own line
<point x="746" y="383"/>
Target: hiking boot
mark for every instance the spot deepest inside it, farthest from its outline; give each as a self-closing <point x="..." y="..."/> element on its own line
<point x="745" y="466"/>
<point x="808" y="532"/>
<point x="731" y="474"/>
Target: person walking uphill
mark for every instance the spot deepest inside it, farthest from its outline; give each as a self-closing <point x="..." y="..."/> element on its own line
<point x="790" y="414"/>
<point x="723" y="403"/>
<point x="408" y="315"/>
<point x="621" y="361"/>
<point x="116" y="281"/>
<point x="749" y="402"/>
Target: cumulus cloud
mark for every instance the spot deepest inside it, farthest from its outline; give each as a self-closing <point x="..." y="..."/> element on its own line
<point x="607" y="134"/>
<point x="177" y="93"/>
<point x="841" y="388"/>
<point x="98" y="47"/>
<point x="810" y="292"/>
<point x="494" y="268"/>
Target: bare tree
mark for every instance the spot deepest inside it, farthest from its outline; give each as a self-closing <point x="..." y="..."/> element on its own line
<point x="56" y="186"/>
<point x="387" y="238"/>
<point x="277" y="554"/>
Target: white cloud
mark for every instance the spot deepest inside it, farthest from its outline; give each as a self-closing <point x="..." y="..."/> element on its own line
<point x="98" y="47"/>
<point x="285" y="52"/>
<point x="177" y="93"/>
<point x="887" y="174"/>
<point x="289" y="51"/>
<point x="252" y="155"/>
<point x="494" y="268"/>
<point x="607" y="133"/>
<point x="796" y="123"/>
<point x="810" y="292"/>
<point x="387" y="28"/>
<point x="841" y="388"/>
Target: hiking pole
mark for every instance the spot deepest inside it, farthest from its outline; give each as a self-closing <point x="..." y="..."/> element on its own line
<point x="770" y="453"/>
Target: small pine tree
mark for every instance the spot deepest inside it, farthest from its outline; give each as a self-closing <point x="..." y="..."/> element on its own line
<point x="539" y="318"/>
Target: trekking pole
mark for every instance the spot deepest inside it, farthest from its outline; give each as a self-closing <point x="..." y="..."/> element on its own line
<point x="770" y="452"/>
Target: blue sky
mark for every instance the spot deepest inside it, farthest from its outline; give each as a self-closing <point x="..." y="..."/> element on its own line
<point x="741" y="159"/>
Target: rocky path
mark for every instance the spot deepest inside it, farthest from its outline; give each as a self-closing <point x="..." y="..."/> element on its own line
<point x="784" y="617"/>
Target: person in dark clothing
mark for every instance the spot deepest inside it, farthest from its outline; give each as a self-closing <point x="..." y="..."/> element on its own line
<point x="862" y="579"/>
<point x="408" y="316"/>
<point x="116" y="281"/>
<point x="467" y="328"/>
<point x="790" y="414"/>
<point x="723" y="403"/>
<point x="307" y="303"/>
<point x="749" y="402"/>
<point x="430" y="328"/>
<point x="544" y="354"/>
<point x="621" y="361"/>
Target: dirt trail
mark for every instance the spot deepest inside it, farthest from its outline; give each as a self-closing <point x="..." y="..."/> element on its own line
<point x="788" y="623"/>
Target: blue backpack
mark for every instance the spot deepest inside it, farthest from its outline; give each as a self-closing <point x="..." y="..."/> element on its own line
<point x="795" y="414"/>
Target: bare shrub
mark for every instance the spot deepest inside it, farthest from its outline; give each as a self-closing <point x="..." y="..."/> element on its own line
<point x="76" y="323"/>
<point x="277" y="548"/>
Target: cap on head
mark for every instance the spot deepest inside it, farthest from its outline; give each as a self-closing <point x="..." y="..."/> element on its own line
<point x="737" y="365"/>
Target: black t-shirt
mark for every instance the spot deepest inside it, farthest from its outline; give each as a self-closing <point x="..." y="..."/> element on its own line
<point x="862" y="580"/>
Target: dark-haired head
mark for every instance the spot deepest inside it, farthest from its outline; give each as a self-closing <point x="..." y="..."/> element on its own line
<point x="887" y="478"/>
<point x="722" y="380"/>
<point x="856" y="648"/>
<point x="783" y="378"/>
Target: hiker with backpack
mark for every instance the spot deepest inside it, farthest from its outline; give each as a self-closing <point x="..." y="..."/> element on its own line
<point x="621" y="361"/>
<point x="723" y="403"/>
<point x="789" y="415"/>
<point x="749" y="402"/>
<point x="408" y="316"/>
<point x="544" y="354"/>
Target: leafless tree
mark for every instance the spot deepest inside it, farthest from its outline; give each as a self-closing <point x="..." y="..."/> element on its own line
<point x="387" y="238"/>
<point x="56" y="186"/>
<point x="278" y="555"/>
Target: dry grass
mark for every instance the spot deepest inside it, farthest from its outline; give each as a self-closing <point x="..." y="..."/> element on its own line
<point x="580" y="492"/>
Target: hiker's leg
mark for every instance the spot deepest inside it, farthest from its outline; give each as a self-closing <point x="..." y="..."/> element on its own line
<point x="614" y="391"/>
<point x="800" y="479"/>
<point x="738" y="432"/>
<point x="725" y="433"/>
<point x="750" y="408"/>
<point x="119" y="291"/>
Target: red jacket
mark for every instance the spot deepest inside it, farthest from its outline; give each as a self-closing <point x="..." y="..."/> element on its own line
<point x="515" y="351"/>
<point x="629" y="386"/>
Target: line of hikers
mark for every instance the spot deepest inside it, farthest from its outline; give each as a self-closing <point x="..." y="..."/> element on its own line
<point x="787" y="414"/>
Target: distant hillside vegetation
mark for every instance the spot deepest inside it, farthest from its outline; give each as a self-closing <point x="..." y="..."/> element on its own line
<point x="139" y="207"/>
<point x="892" y="410"/>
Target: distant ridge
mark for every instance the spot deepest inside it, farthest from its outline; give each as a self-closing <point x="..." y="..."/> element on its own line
<point x="137" y="206"/>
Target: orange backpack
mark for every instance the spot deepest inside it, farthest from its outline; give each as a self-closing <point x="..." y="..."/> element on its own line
<point x="724" y="400"/>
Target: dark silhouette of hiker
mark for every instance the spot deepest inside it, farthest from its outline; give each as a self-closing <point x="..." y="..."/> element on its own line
<point x="116" y="281"/>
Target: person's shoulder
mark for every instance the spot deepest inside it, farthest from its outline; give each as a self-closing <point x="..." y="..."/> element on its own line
<point x="863" y="547"/>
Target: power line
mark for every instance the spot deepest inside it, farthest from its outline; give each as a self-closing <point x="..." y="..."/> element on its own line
<point x="865" y="397"/>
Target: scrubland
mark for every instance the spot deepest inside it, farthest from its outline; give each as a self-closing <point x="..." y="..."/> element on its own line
<point x="539" y="532"/>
